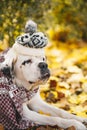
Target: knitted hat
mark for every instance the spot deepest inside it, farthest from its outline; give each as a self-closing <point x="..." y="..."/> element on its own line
<point x="36" y="40"/>
<point x="31" y="43"/>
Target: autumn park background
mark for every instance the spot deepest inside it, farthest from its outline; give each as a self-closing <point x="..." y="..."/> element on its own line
<point x="65" y="24"/>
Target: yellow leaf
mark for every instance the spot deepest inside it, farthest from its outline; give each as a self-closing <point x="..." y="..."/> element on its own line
<point x="74" y="99"/>
<point x="82" y="97"/>
<point x="82" y="114"/>
<point x="3" y="44"/>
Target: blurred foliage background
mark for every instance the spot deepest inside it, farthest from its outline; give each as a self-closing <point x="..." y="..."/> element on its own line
<point x="65" y="23"/>
<point x="63" y="20"/>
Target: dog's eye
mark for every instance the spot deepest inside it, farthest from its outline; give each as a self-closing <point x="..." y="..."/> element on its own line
<point x="44" y="59"/>
<point x="27" y="61"/>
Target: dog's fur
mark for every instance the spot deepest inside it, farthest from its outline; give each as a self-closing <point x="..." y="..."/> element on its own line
<point x="30" y="71"/>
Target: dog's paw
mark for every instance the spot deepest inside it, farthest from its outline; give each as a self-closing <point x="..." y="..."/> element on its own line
<point x="65" y="123"/>
<point x="83" y="120"/>
<point x="78" y="125"/>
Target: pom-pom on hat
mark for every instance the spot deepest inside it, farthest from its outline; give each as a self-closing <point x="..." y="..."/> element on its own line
<point x="30" y="27"/>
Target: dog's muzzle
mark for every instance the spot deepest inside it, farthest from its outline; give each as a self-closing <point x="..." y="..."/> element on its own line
<point x="45" y="72"/>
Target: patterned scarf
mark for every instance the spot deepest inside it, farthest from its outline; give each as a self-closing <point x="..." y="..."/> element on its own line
<point x="11" y="100"/>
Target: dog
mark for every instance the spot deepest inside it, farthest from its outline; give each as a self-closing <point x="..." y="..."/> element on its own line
<point x="26" y="67"/>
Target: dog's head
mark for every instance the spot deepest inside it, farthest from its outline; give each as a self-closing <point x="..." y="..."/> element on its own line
<point x="27" y="70"/>
<point x="31" y="69"/>
<point x="26" y="61"/>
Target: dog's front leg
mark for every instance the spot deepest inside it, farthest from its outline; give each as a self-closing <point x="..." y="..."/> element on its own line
<point x="37" y="104"/>
<point x="36" y="117"/>
<point x="50" y="120"/>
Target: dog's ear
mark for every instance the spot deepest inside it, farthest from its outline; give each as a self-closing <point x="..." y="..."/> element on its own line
<point x="7" y="71"/>
<point x="7" y="67"/>
<point x="10" y="58"/>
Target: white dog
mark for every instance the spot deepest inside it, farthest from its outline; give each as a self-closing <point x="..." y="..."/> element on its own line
<point x="29" y="69"/>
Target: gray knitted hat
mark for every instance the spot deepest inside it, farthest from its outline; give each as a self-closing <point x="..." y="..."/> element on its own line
<point x="32" y="38"/>
<point x="31" y="43"/>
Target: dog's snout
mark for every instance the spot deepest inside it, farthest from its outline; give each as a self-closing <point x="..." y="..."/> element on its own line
<point x="43" y="65"/>
<point x="45" y="73"/>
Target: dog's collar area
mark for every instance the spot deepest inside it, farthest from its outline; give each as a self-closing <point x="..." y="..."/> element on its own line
<point x="33" y="86"/>
<point x="14" y="89"/>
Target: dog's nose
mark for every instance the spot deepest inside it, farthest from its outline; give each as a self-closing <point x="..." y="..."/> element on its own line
<point x="43" y="65"/>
